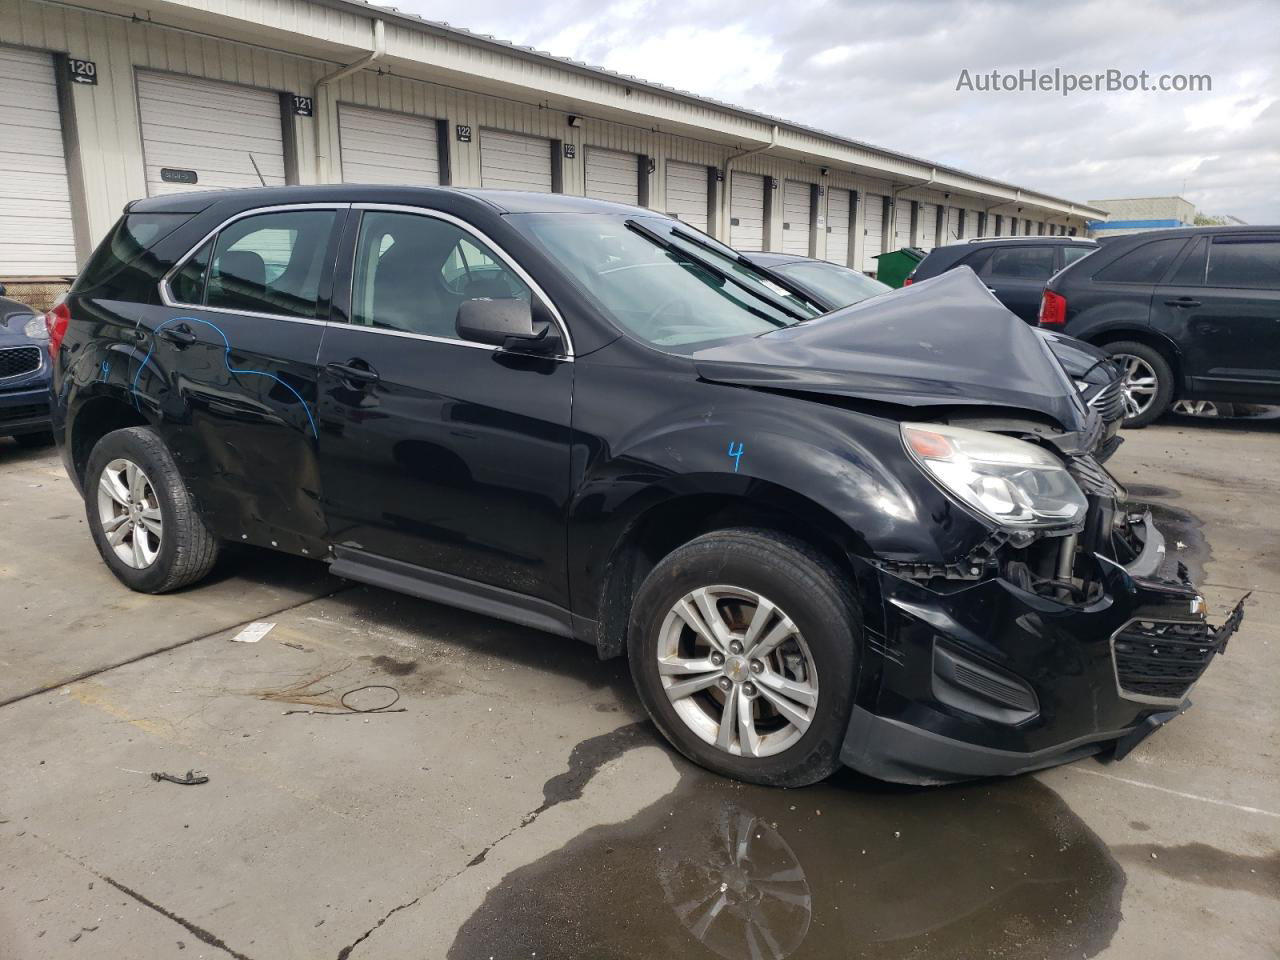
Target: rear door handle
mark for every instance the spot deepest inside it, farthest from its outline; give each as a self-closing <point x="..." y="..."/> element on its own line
<point x="1183" y="302"/>
<point x="355" y="372"/>
<point x="181" y="334"/>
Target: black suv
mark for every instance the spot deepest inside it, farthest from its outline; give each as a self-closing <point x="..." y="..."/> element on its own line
<point x="1015" y="269"/>
<point x="1193" y="314"/>
<point x="875" y="536"/>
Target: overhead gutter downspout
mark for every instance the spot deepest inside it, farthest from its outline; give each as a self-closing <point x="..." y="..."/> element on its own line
<point x="728" y="162"/>
<point x="323" y="173"/>
<point x="892" y="227"/>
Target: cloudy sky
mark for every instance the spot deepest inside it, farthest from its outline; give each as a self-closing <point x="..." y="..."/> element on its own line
<point x="887" y="73"/>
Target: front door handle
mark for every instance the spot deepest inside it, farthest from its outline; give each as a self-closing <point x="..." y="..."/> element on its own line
<point x="1183" y="302"/>
<point x="182" y="334"/>
<point x="355" y="372"/>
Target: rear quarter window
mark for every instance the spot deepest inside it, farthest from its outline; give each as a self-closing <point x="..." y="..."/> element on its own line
<point x="124" y="267"/>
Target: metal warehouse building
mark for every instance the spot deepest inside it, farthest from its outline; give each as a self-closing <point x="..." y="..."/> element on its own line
<point x="103" y="102"/>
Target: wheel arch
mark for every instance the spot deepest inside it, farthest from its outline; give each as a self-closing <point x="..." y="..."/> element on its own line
<point x="664" y="523"/>
<point x="94" y="418"/>
<point x="1144" y="335"/>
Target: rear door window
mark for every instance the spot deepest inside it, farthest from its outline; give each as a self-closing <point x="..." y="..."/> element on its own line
<point x="1244" y="262"/>
<point x="1190" y="272"/>
<point x="268" y="263"/>
<point x="1147" y="264"/>
<point x="1020" y="263"/>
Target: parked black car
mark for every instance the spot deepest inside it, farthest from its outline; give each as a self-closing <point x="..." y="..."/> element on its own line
<point x="1192" y="314"/>
<point x="1015" y="269"/>
<point x="817" y="538"/>
<point x="24" y="374"/>
<point x="1099" y="379"/>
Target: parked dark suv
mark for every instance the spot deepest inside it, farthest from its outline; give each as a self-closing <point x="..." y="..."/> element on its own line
<point x="1015" y="269"/>
<point x="1193" y="314"/>
<point x="875" y="536"/>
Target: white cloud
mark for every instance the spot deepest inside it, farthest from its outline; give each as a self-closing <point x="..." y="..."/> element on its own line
<point x="886" y="73"/>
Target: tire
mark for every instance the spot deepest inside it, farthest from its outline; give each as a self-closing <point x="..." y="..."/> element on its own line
<point x="802" y="585"/>
<point x="183" y="551"/>
<point x="33" y="441"/>
<point x="1155" y="361"/>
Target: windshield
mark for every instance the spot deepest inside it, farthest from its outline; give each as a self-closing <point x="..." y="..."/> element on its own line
<point x="663" y="282"/>
<point x="838" y="286"/>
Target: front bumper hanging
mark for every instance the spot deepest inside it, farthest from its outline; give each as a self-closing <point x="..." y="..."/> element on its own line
<point x="988" y="678"/>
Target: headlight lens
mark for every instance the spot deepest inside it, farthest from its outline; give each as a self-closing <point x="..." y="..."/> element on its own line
<point x="1012" y="482"/>
<point x="35" y="329"/>
<point x="1082" y="385"/>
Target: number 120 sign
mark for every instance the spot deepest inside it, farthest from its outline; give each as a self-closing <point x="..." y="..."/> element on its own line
<point x="82" y="71"/>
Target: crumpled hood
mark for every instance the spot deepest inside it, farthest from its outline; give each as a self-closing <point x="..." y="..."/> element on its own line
<point x="941" y="342"/>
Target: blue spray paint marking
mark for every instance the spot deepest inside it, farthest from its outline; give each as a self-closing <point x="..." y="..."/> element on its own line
<point x="226" y="358"/>
<point x="736" y="454"/>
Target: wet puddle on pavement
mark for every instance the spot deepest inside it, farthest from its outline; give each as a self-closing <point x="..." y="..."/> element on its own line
<point x="850" y="868"/>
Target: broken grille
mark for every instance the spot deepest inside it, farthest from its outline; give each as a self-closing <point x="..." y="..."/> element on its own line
<point x="1109" y="401"/>
<point x="1161" y="660"/>
<point x="17" y="361"/>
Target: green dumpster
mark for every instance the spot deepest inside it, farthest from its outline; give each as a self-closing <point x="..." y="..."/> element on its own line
<point x="894" y="267"/>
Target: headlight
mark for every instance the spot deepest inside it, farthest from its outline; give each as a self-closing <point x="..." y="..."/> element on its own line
<point x="1082" y="385"/>
<point x="1012" y="482"/>
<point x="35" y="329"/>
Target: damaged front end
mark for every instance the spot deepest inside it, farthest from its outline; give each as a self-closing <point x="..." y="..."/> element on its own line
<point x="1037" y="646"/>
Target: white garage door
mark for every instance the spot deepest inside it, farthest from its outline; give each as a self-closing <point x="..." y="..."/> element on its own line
<point x="970" y="223"/>
<point x="838" y="201"/>
<point x="953" y="226"/>
<point x="746" y="211"/>
<point x="383" y="147"/>
<point x="36" y="238"/>
<point x="872" y="230"/>
<point x="512" y="161"/>
<point x="687" y="193"/>
<point x="613" y="176"/>
<point x="902" y="224"/>
<point x="795" y="218"/>
<point x="229" y="135"/>
<point x="928" y="231"/>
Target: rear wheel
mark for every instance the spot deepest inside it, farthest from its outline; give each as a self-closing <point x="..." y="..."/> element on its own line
<point x="143" y="520"/>
<point x="742" y="646"/>
<point x="1147" y="383"/>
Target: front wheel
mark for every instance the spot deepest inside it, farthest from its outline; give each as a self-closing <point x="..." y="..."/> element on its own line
<point x="743" y="645"/>
<point x="1147" y="383"/>
<point x="143" y="520"/>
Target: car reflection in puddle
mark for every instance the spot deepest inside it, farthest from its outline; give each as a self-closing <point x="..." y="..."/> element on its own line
<point x="851" y="868"/>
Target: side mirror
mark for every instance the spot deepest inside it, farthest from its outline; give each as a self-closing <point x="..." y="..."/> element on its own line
<point x="501" y="323"/>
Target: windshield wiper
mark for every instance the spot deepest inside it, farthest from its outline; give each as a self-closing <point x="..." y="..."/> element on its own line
<point x="718" y="272"/>
<point x="772" y="275"/>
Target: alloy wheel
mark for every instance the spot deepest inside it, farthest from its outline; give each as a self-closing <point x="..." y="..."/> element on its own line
<point x="1139" y="385"/>
<point x="1196" y="408"/>
<point x="129" y="511"/>
<point x="737" y="671"/>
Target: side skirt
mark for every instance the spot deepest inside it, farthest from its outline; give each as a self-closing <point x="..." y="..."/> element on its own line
<point x="459" y="592"/>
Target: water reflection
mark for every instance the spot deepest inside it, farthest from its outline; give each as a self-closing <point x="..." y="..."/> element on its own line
<point x="738" y="888"/>
<point x="847" y="869"/>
